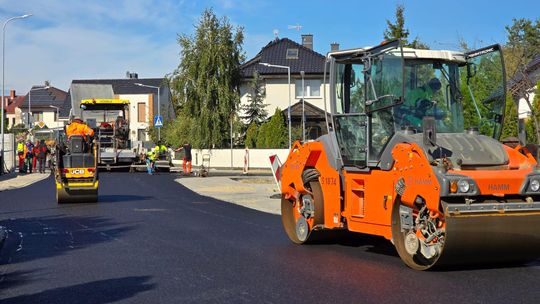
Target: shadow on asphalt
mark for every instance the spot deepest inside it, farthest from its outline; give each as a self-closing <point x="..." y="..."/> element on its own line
<point x="96" y="292"/>
<point x="122" y="198"/>
<point x="15" y="278"/>
<point x="369" y="243"/>
<point x="42" y="237"/>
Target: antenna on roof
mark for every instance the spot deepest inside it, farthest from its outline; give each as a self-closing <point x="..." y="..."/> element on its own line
<point x="276" y="32"/>
<point x="297" y="27"/>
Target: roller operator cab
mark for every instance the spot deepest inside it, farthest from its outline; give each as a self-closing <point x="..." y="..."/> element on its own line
<point x="412" y="154"/>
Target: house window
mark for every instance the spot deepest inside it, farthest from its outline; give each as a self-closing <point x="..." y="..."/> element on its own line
<point x="312" y="88"/>
<point x="38" y="116"/>
<point x="292" y="54"/>
<point x="141" y="112"/>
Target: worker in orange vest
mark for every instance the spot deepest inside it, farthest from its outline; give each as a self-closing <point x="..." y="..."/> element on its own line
<point x="78" y="127"/>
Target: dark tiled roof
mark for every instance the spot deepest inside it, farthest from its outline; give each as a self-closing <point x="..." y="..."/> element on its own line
<point x="65" y="108"/>
<point x="530" y="70"/>
<point x="275" y="52"/>
<point x="127" y="85"/>
<point x="43" y="98"/>
<point x="119" y="86"/>
<point x="310" y="110"/>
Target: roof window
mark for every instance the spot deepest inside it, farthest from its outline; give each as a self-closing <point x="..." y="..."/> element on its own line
<point x="292" y="54"/>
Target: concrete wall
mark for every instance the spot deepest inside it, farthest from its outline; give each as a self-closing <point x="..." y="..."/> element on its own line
<point x="221" y="158"/>
<point x="9" y="152"/>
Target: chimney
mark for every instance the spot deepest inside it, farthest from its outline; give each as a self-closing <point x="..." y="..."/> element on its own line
<point x="11" y="94"/>
<point x="307" y="41"/>
<point x="334" y="46"/>
<point x="130" y="75"/>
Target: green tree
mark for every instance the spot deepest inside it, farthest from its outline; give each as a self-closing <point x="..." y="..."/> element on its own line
<point x="206" y="82"/>
<point x="178" y="131"/>
<point x="397" y="30"/>
<point x="273" y="134"/>
<point x="510" y="125"/>
<point x="251" y="136"/>
<point x="529" y="124"/>
<point x="255" y="110"/>
<point x="522" y="46"/>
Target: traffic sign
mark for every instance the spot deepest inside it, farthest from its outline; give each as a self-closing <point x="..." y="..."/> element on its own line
<point x="158" y="121"/>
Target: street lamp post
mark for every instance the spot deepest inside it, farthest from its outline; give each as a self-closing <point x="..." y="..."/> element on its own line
<point x="30" y="116"/>
<point x="3" y="89"/>
<point x="158" y="102"/>
<point x="289" y="80"/>
<point x="303" y="109"/>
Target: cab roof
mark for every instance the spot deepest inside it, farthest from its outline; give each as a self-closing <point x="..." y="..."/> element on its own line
<point x="408" y="53"/>
<point x="100" y="101"/>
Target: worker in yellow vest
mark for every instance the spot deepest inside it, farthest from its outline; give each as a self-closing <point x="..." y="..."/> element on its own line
<point x="150" y="158"/>
<point x="21" y="153"/>
<point x="160" y="151"/>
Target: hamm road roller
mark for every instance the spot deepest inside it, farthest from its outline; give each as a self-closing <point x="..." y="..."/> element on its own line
<point x="412" y="154"/>
<point x="76" y="171"/>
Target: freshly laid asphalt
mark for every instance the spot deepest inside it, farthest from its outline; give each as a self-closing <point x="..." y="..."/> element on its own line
<point x="151" y="240"/>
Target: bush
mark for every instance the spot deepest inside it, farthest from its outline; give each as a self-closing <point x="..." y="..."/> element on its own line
<point x="251" y="136"/>
<point x="273" y="133"/>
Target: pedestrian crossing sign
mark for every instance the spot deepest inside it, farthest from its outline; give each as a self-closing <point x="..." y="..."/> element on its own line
<point x="158" y="121"/>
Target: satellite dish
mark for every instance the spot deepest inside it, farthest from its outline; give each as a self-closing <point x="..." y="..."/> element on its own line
<point x="276" y="32"/>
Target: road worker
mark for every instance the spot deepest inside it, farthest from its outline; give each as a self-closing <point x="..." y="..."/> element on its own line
<point x="78" y="127"/>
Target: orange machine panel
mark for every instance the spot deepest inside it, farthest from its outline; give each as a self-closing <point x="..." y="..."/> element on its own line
<point x="312" y="155"/>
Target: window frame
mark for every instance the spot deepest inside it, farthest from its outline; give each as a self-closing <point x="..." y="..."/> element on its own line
<point x="139" y="104"/>
<point x="307" y="91"/>
<point x="288" y="55"/>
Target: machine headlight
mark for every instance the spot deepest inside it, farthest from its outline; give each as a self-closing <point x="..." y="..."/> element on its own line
<point x="535" y="185"/>
<point x="464" y="186"/>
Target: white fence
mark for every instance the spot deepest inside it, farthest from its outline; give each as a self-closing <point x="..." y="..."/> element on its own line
<point x="9" y="152"/>
<point x="227" y="158"/>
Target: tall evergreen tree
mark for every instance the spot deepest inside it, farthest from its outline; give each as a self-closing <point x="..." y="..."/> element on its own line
<point x="206" y="82"/>
<point x="397" y="30"/>
<point x="273" y="133"/>
<point x="255" y="110"/>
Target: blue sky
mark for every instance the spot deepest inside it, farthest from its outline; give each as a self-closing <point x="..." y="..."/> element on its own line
<point x="74" y="39"/>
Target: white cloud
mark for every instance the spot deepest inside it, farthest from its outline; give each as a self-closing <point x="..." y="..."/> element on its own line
<point x="67" y="40"/>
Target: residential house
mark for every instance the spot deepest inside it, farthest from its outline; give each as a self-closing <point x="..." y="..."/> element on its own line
<point x="12" y="110"/>
<point x="300" y="58"/>
<point x="43" y="103"/>
<point x="142" y="94"/>
<point x="523" y="86"/>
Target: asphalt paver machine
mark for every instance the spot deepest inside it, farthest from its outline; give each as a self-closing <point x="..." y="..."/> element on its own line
<point x="109" y="119"/>
<point x="412" y="155"/>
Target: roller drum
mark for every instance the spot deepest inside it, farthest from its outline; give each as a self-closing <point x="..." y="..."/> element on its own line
<point x="76" y="196"/>
<point x="493" y="238"/>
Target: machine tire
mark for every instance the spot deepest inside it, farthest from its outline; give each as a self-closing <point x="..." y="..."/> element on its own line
<point x="416" y="262"/>
<point x="288" y="217"/>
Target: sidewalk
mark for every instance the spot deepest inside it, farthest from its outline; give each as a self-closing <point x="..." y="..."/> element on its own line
<point x="255" y="192"/>
<point x="12" y="181"/>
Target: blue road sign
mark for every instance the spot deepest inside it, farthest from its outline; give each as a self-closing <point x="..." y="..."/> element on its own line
<point x="158" y="121"/>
